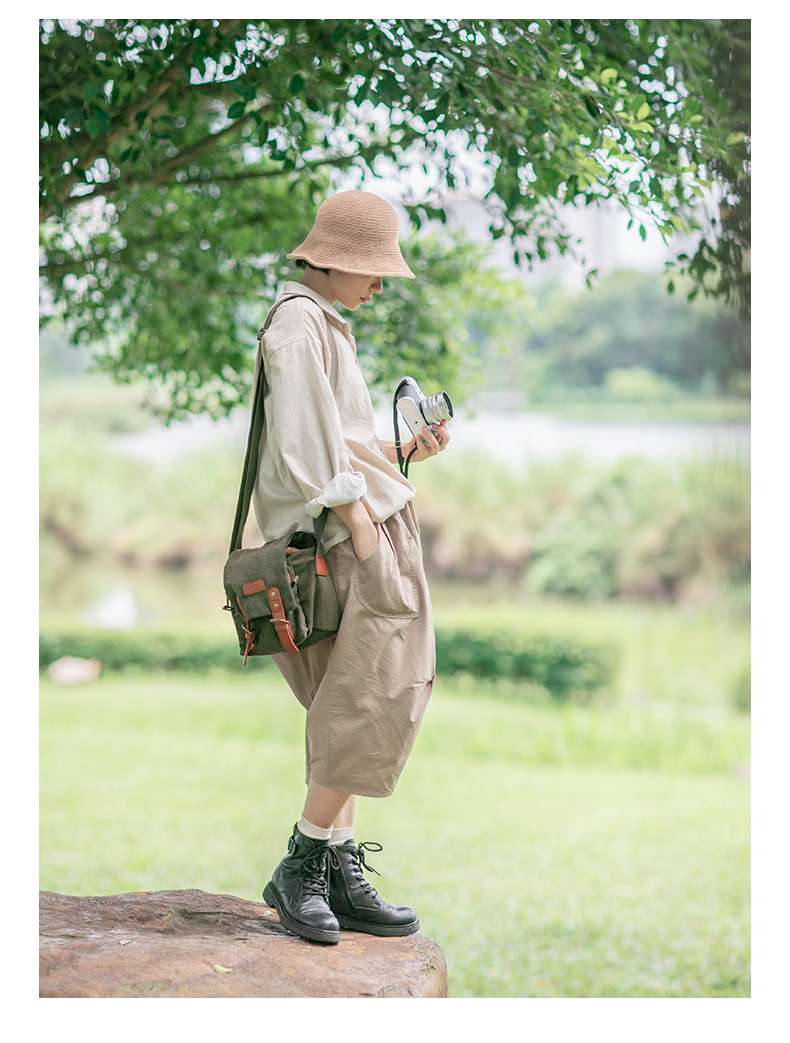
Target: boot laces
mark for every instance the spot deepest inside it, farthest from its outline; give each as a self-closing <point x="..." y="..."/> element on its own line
<point x="357" y="861"/>
<point x="312" y="870"/>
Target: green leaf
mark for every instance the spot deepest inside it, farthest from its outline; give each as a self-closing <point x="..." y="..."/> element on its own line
<point x="736" y="137"/>
<point x="91" y="89"/>
<point x="246" y="90"/>
<point x="642" y="126"/>
<point x="643" y="111"/>
<point x="608" y="75"/>
<point x="297" y="82"/>
<point x="642" y="232"/>
<point x="237" y="109"/>
<point x="698" y="118"/>
<point x="97" y="123"/>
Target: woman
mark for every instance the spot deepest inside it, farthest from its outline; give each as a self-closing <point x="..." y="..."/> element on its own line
<point x="365" y="688"/>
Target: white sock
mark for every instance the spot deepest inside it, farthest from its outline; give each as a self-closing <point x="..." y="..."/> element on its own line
<point x="311" y="830"/>
<point x="341" y="833"/>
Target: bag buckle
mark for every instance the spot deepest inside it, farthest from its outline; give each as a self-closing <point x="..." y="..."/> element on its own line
<point x="281" y="622"/>
<point x="249" y="645"/>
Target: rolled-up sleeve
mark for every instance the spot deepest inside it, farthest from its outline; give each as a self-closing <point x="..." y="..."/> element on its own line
<point x="305" y="426"/>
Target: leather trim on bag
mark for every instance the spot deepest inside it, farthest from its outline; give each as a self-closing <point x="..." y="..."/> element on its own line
<point x="253" y="586"/>
<point x="281" y="622"/>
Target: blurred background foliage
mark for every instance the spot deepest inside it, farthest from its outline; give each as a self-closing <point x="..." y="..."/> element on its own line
<point x="628" y="527"/>
<point x="631" y="341"/>
<point x="180" y="159"/>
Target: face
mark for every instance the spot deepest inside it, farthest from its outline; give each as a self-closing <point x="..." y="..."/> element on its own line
<point x="350" y="289"/>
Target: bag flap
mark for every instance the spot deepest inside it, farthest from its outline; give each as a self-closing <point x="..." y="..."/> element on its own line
<point x="250" y="572"/>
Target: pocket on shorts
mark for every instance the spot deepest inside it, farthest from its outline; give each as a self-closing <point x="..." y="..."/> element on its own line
<point x="385" y="581"/>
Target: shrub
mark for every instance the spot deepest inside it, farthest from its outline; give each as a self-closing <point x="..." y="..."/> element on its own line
<point x="637" y="384"/>
<point x="143" y="649"/>
<point x="643" y="528"/>
<point x="574" y="559"/>
<point x="564" y="667"/>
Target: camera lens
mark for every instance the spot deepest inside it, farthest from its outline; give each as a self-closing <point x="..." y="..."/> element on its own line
<point x="437" y="407"/>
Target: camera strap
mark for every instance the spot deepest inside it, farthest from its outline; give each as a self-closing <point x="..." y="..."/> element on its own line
<point x="404" y="467"/>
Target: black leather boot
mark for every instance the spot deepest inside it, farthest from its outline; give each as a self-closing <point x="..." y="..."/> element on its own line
<point x="355" y="902"/>
<point x="298" y="890"/>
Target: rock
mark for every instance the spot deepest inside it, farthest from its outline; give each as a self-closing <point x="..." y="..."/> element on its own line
<point x="192" y="943"/>
<point x="70" y="669"/>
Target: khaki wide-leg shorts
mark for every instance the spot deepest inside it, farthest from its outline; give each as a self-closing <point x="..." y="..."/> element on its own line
<point x="366" y="687"/>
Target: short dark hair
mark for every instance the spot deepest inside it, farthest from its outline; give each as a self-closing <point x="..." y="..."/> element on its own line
<point x="302" y="263"/>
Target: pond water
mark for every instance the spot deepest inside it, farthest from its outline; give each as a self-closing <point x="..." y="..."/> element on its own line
<point x="521" y="437"/>
<point x="515" y="437"/>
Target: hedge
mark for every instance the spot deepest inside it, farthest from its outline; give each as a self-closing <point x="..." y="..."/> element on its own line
<point x="561" y="665"/>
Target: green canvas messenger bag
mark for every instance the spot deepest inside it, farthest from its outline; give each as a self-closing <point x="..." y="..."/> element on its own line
<point x="280" y="596"/>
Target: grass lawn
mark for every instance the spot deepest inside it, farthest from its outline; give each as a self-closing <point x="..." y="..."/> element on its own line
<point x="576" y="851"/>
<point x="668" y="654"/>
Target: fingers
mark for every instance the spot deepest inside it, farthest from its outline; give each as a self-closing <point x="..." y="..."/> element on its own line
<point x="429" y="440"/>
<point x="441" y="435"/>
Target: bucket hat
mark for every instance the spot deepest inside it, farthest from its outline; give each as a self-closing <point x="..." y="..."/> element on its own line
<point x="357" y="232"/>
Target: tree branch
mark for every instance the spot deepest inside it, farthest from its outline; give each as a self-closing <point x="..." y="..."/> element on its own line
<point x="88" y="149"/>
<point x="151" y="101"/>
<point x="109" y="188"/>
<point x="199" y="147"/>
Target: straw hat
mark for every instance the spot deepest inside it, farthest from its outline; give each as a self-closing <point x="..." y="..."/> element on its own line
<point x="355" y="232"/>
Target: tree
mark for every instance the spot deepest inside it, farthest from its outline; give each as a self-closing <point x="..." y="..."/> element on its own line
<point x="181" y="159"/>
<point x="578" y="340"/>
<point x="713" y="60"/>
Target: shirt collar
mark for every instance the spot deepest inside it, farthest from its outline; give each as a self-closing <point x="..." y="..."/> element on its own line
<point x="292" y="286"/>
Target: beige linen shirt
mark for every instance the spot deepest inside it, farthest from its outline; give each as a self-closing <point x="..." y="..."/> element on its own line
<point x="318" y="444"/>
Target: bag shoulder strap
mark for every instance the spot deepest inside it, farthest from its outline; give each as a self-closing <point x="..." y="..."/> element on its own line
<point x="250" y="470"/>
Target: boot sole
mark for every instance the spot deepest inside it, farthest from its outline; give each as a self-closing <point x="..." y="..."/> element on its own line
<point x="313" y="934"/>
<point x="348" y="923"/>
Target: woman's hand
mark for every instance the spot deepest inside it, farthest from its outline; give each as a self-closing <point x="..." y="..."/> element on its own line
<point x="357" y="516"/>
<point x="430" y="441"/>
<point x="365" y="540"/>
